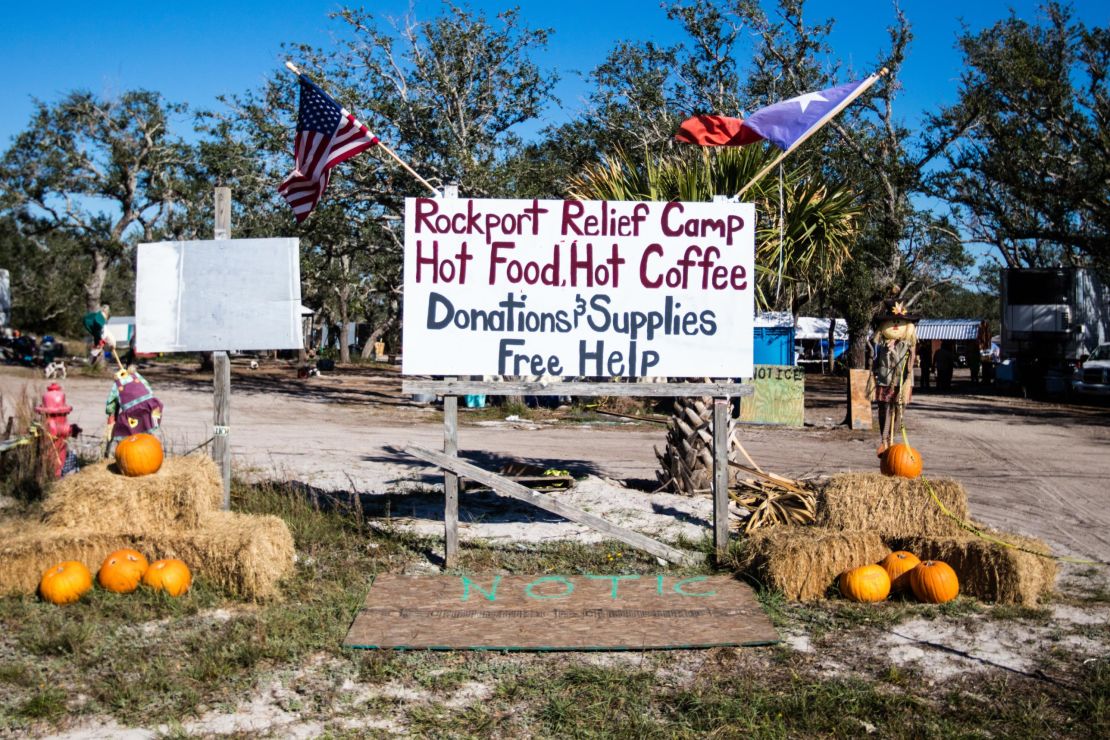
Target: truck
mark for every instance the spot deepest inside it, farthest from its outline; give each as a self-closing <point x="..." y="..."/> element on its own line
<point x="1052" y="319"/>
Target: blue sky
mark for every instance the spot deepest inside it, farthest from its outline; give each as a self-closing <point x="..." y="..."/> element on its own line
<point x="194" y="51"/>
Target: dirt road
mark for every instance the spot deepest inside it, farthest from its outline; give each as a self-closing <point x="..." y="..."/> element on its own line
<point x="1029" y="467"/>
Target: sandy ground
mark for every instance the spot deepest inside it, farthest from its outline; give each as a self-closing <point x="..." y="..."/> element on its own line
<point x="1029" y="467"/>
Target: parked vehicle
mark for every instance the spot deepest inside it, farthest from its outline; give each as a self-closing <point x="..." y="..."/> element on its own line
<point x="1092" y="378"/>
<point x="1051" y="318"/>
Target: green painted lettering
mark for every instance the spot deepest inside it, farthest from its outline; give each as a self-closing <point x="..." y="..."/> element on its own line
<point x="490" y="595"/>
<point x="696" y="579"/>
<point x="616" y="581"/>
<point x="567" y="586"/>
<point x="659" y="584"/>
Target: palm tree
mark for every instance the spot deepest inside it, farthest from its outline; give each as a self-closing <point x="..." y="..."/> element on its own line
<point x="801" y="245"/>
<point x="803" y="239"/>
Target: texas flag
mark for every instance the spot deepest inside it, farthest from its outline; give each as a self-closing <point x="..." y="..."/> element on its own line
<point x="783" y="124"/>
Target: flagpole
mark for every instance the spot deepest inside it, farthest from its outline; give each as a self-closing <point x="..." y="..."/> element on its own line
<point x="821" y="122"/>
<point x="296" y="70"/>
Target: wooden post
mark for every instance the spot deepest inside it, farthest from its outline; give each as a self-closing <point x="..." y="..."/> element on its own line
<point x="859" y="398"/>
<point x="451" y="447"/>
<point x="720" y="476"/>
<point x="451" y="481"/>
<point x="221" y="371"/>
<point x="221" y="429"/>
<point x="223" y="213"/>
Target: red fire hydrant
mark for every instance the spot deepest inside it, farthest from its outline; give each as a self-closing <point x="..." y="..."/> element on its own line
<point x="54" y="410"/>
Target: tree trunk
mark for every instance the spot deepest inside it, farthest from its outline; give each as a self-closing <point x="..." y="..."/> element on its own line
<point x="344" y="345"/>
<point x="381" y="330"/>
<point x="832" y="342"/>
<point x="859" y="346"/>
<point x="94" y="283"/>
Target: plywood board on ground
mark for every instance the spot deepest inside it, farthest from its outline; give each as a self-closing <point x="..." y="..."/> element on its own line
<point x="575" y="612"/>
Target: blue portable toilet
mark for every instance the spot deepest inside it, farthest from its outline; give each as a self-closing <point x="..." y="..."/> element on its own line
<point x="773" y="341"/>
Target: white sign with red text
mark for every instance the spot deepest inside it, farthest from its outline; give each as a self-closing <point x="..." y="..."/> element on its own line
<point x="578" y="288"/>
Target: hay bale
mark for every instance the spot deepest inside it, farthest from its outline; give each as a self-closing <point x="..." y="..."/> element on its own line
<point x="990" y="571"/>
<point x="891" y="507"/>
<point x="101" y="500"/>
<point x="246" y="555"/>
<point x="803" y="562"/>
<point x="28" y="548"/>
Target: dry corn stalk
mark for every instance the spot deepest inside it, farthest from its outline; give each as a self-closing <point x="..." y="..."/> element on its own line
<point x="773" y="500"/>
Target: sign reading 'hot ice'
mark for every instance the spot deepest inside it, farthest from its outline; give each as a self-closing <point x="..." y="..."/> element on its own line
<point x="578" y="288"/>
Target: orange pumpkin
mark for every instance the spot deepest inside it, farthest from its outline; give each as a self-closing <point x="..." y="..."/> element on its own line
<point x="901" y="460"/>
<point x="139" y="454"/>
<point x="171" y="576"/>
<point x="867" y="583"/>
<point x="897" y="565"/>
<point x="65" y="583"/>
<point x="122" y="570"/>
<point x="934" y="582"/>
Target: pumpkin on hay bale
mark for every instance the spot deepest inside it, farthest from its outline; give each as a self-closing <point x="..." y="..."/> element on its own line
<point x="243" y="554"/>
<point x="934" y="582"/>
<point x="890" y="507"/>
<point x="990" y="571"/>
<point x="171" y="514"/>
<point x="897" y="565"/>
<point x="98" y="499"/>
<point x="862" y="517"/>
<point x="902" y="461"/>
<point x="139" y="454"/>
<point x="803" y="562"/>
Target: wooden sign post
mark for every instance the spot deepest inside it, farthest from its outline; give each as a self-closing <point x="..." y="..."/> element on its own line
<point x="549" y="289"/>
<point x="218" y="295"/>
<point x="221" y="371"/>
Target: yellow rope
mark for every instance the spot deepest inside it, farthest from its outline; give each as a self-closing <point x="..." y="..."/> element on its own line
<point x="980" y="533"/>
<point x="968" y="526"/>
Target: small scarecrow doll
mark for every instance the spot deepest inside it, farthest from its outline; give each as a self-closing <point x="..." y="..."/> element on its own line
<point x="131" y="407"/>
<point x="892" y="370"/>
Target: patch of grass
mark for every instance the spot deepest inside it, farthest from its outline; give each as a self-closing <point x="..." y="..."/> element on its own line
<point x="48" y="703"/>
<point x="16" y="674"/>
<point x="436" y="720"/>
<point x="1091" y="704"/>
<point x="584" y="699"/>
<point x="1008" y="612"/>
<point x="821" y="617"/>
<point x="376" y="666"/>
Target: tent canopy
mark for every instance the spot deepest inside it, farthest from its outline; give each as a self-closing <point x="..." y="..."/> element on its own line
<point x="805" y="327"/>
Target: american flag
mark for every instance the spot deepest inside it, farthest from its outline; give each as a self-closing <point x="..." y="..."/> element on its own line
<point x="326" y="135"/>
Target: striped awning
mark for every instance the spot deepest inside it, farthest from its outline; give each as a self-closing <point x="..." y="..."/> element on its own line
<point x="958" y="330"/>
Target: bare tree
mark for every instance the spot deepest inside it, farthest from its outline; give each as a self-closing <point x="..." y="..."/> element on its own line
<point x="103" y="171"/>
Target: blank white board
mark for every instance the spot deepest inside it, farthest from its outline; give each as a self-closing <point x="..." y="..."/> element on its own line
<point x="227" y="294"/>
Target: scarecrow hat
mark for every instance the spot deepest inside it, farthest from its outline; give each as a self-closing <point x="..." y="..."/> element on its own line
<point x="895" y="310"/>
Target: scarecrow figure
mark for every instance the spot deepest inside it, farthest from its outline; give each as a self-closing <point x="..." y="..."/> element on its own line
<point x="131" y="407"/>
<point x="895" y="349"/>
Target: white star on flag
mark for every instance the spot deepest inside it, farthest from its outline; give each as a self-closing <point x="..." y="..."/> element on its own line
<point x="813" y="97"/>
